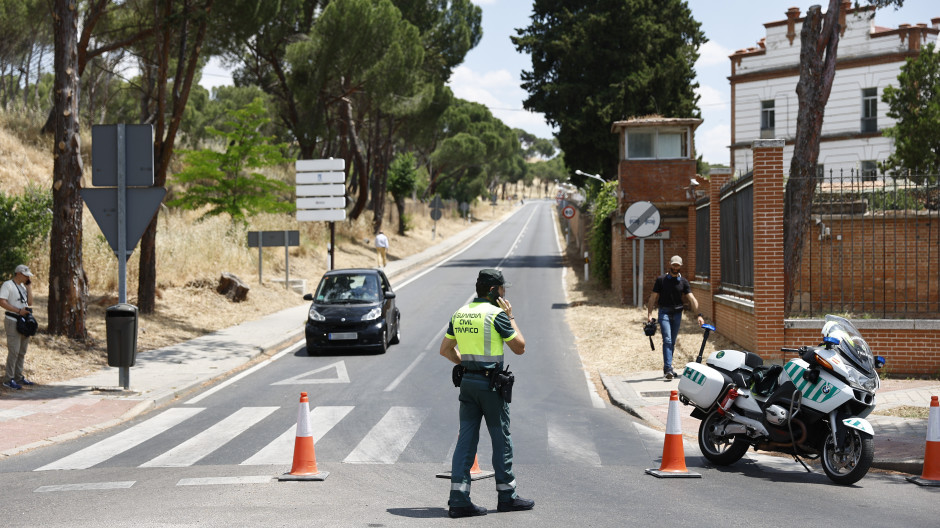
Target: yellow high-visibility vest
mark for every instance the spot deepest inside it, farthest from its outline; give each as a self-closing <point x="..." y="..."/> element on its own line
<point x="475" y="331"/>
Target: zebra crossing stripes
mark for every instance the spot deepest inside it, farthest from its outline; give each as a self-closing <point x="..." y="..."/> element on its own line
<point x="281" y="449"/>
<point x="204" y="443"/>
<point x="123" y="441"/>
<point x="386" y="441"/>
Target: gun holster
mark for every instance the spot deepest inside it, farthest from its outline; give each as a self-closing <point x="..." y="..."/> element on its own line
<point x="502" y="380"/>
<point x="456" y="375"/>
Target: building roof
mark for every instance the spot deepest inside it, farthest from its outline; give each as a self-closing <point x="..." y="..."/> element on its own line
<point x="655" y="120"/>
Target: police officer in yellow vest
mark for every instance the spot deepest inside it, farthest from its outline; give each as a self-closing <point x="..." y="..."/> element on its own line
<point x="474" y="340"/>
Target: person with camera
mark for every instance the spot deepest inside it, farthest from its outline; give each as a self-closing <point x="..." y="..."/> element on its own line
<point x="474" y="343"/>
<point x="670" y="293"/>
<point x="16" y="298"/>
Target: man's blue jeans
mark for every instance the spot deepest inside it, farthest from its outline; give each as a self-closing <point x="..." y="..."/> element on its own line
<point x="669" y="321"/>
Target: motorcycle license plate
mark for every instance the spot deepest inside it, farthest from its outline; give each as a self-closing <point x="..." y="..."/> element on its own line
<point x="342" y="336"/>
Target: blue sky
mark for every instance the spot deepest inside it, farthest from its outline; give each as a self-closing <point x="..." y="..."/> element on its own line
<point x="490" y="75"/>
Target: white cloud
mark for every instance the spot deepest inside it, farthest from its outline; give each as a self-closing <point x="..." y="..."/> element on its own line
<point x="712" y="98"/>
<point x="711" y="53"/>
<point x="499" y="91"/>
<point x="712" y="143"/>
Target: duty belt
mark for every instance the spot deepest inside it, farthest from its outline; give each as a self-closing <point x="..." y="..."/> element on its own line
<point x="485" y="373"/>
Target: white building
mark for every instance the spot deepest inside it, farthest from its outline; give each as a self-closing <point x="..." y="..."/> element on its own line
<point x="764" y="101"/>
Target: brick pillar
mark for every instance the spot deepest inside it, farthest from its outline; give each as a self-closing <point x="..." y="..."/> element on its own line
<point x="717" y="178"/>
<point x="690" y="253"/>
<point x="768" y="246"/>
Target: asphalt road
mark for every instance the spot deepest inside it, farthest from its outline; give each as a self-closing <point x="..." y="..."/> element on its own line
<point x="384" y="425"/>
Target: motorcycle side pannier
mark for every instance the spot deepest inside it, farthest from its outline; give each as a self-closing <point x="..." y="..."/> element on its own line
<point x="701" y="384"/>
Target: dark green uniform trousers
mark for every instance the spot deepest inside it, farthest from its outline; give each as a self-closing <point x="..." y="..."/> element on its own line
<point x="478" y="401"/>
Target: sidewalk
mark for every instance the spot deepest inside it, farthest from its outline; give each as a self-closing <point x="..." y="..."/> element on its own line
<point x="899" y="442"/>
<point x="47" y="414"/>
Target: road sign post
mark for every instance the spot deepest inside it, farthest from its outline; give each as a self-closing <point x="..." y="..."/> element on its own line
<point x="321" y="194"/>
<point x="641" y="221"/>
<point x="263" y="239"/>
<point x="126" y="200"/>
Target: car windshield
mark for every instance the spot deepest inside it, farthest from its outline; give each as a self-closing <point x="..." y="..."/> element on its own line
<point x="348" y="288"/>
<point x="851" y="342"/>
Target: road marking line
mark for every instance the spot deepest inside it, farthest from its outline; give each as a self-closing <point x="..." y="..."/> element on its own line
<point x="389" y="438"/>
<point x="342" y="376"/>
<point x="241" y="375"/>
<point x="281" y="449"/>
<point x="394" y="384"/>
<point x="214" y="481"/>
<point x="204" y="443"/>
<point x="86" y="486"/>
<point x="121" y="442"/>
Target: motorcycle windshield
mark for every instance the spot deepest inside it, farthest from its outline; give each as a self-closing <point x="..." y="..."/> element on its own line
<point x="851" y="343"/>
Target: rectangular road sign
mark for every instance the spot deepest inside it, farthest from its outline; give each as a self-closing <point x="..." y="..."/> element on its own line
<point x="322" y="215"/>
<point x="320" y="165"/>
<point x="323" y="189"/>
<point x="274" y="238"/>
<point x="138" y="155"/>
<point x="322" y="202"/>
<point x="320" y="177"/>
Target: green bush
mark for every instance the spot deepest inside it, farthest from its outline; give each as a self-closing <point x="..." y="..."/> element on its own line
<point x="25" y="222"/>
<point x="604" y="204"/>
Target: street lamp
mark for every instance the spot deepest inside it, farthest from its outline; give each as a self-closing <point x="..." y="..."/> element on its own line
<point x="579" y="172"/>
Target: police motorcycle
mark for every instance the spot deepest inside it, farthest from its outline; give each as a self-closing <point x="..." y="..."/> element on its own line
<point x="814" y="406"/>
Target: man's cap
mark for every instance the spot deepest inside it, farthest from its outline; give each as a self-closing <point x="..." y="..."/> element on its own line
<point x="492" y="277"/>
<point x="22" y="268"/>
<point x="676" y="259"/>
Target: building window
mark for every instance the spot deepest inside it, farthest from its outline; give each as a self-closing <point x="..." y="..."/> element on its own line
<point x="766" y="119"/>
<point x="657" y="144"/>
<point x="869" y="110"/>
<point x="869" y="171"/>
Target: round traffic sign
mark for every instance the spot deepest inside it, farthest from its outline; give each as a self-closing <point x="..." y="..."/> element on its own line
<point x="641" y="219"/>
<point x="436" y="214"/>
<point x="568" y="212"/>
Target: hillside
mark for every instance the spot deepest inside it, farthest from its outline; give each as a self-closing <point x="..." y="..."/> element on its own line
<point x="191" y="255"/>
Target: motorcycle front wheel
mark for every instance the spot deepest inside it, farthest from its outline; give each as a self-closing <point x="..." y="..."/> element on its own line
<point x="720" y="450"/>
<point x="850" y="466"/>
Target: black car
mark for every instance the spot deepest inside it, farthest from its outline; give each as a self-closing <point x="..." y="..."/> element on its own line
<point x="352" y="309"/>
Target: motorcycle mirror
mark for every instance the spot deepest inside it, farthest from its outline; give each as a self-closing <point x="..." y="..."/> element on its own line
<point x="879" y="361"/>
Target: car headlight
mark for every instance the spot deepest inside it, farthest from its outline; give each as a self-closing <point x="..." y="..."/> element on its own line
<point x="314" y="315"/>
<point x="372" y="314"/>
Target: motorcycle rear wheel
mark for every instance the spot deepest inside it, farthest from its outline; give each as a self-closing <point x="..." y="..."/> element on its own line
<point x="854" y="464"/>
<point x="720" y="450"/>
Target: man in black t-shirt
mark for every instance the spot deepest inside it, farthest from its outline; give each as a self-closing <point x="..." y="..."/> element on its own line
<point x="670" y="293"/>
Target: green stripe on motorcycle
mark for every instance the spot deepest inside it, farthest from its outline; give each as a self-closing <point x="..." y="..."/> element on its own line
<point x="810" y="392"/>
<point x="697" y="377"/>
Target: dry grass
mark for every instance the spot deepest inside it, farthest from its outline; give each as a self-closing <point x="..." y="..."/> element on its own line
<point x="191" y="255"/>
<point x="609" y="335"/>
<point x="905" y="411"/>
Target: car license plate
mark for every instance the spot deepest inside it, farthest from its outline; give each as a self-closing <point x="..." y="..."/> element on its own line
<point x="341" y="336"/>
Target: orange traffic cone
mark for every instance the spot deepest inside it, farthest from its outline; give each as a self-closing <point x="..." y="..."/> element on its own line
<point x="931" y="473"/>
<point x="305" y="456"/>
<point x="673" y="464"/>
<point x="475" y="472"/>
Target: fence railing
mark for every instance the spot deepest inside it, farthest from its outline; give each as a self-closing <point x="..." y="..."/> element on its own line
<point x="736" y="227"/>
<point x="872" y="248"/>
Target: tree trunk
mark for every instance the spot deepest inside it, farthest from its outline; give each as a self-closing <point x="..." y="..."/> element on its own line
<point x="400" y="205"/>
<point x="355" y="146"/>
<point x="68" y="285"/>
<point x="819" y="40"/>
<point x="163" y="143"/>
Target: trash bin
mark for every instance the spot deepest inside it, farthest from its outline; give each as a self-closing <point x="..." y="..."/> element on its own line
<point x="121" y="325"/>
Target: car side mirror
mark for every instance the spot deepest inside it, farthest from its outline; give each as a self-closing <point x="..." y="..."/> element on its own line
<point x="308" y="297"/>
<point x="389" y="295"/>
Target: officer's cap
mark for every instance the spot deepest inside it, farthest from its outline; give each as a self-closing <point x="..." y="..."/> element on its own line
<point x="492" y="277"/>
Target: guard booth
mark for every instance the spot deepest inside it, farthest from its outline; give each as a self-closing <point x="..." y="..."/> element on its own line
<point x="657" y="165"/>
